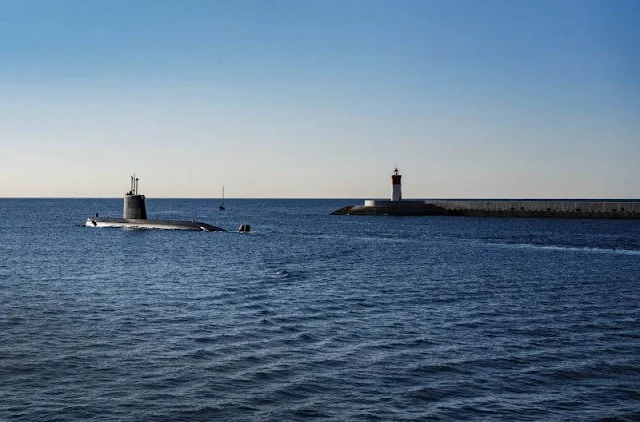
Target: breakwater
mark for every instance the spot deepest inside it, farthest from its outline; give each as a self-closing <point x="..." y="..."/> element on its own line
<point x="540" y="208"/>
<point x="549" y="208"/>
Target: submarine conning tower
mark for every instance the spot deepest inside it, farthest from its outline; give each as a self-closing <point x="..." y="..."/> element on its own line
<point x="134" y="207"/>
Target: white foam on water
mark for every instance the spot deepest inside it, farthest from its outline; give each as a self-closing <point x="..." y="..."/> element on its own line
<point x="567" y="248"/>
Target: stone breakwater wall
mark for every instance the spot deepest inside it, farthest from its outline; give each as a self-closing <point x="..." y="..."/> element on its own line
<point x="580" y="206"/>
<point x="540" y="208"/>
<point x="622" y="209"/>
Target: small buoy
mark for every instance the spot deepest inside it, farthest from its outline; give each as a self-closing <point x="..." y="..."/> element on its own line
<point x="245" y="228"/>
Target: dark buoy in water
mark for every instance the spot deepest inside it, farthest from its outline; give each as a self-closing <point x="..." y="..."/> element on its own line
<point x="245" y="228"/>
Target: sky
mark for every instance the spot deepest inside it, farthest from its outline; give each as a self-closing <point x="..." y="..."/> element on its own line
<point x="320" y="98"/>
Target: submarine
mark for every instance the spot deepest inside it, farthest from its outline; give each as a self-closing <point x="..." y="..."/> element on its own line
<point x="134" y="216"/>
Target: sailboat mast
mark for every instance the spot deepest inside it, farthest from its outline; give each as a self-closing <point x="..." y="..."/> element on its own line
<point x="221" y="207"/>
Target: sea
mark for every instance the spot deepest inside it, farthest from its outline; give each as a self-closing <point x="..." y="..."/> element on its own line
<point x="315" y="317"/>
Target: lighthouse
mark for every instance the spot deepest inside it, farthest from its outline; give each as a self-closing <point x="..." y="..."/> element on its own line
<point x="396" y="193"/>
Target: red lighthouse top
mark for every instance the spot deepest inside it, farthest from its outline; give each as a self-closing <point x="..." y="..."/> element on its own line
<point x="395" y="177"/>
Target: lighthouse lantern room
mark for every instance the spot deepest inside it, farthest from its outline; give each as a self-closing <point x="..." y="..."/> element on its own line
<point x="396" y="192"/>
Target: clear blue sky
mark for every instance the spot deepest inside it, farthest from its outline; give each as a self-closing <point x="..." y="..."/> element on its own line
<point x="320" y="98"/>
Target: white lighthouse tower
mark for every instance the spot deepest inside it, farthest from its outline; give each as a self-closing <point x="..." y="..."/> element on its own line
<point x="396" y="192"/>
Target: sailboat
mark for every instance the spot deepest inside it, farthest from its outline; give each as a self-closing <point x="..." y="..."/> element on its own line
<point x="221" y="207"/>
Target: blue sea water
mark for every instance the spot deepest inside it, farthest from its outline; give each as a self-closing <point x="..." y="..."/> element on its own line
<point x="315" y="317"/>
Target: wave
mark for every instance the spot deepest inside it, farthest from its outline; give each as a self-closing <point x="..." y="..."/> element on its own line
<point x="367" y="239"/>
<point x="566" y="248"/>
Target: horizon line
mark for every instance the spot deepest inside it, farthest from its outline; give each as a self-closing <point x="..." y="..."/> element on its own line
<point x="329" y="198"/>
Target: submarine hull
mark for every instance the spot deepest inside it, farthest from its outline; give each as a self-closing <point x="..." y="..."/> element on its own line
<point x="136" y="223"/>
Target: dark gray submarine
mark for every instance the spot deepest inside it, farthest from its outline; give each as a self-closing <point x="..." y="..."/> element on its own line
<point x="134" y="216"/>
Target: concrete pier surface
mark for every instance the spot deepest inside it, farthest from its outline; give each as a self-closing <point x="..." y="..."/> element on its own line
<point x="545" y="208"/>
<point x="400" y="208"/>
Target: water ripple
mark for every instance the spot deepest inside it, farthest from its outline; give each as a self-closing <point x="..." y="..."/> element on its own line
<point x="319" y="318"/>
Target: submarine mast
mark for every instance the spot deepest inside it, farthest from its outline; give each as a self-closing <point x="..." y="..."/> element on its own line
<point x="396" y="192"/>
